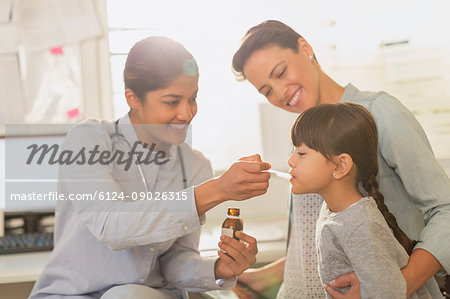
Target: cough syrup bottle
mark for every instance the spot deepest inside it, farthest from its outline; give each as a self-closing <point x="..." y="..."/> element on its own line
<point x="233" y="223"/>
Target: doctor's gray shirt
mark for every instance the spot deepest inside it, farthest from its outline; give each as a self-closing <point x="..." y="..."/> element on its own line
<point x="104" y="243"/>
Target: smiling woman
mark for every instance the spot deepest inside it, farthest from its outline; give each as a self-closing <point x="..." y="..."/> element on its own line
<point x="152" y="100"/>
<point x="146" y="247"/>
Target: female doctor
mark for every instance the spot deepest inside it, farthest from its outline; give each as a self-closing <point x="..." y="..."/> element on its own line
<point x="138" y="237"/>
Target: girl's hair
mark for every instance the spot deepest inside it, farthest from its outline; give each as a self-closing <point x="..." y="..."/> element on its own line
<point x="333" y="129"/>
<point x="153" y="63"/>
<point x="269" y="32"/>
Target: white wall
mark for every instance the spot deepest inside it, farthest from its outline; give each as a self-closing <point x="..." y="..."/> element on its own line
<point x="347" y="37"/>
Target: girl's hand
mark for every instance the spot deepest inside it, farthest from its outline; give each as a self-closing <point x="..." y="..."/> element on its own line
<point x="342" y="281"/>
<point x="243" y="255"/>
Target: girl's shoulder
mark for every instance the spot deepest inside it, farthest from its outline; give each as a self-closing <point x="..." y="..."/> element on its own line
<point x="363" y="219"/>
<point x="362" y="213"/>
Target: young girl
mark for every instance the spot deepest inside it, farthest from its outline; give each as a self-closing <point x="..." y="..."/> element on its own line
<point x="336" y="156"/>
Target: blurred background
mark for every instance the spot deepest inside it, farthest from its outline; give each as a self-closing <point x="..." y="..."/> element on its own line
<point x="61" y="62"/>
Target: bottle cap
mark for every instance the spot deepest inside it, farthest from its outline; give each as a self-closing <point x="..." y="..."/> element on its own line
<point x="233" y="212"/>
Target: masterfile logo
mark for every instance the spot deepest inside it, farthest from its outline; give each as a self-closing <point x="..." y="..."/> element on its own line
<point x="53" y="155"/>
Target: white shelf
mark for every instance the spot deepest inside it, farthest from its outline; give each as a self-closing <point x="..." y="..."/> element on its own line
<point x="26" y="267"/>
<point x="22" y="267"/>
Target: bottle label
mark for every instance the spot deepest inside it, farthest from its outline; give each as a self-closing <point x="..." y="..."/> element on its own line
<point x="227" y="232"/>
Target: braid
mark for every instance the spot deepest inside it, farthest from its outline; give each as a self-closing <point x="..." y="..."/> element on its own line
<point x="371" y="186"/>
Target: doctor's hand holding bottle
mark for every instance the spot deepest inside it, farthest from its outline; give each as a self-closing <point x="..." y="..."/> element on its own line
<point x="239" y="256"/>
<point x="243" y="180"/>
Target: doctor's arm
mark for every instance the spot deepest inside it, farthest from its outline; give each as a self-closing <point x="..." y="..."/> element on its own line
<point x="243" y="180"/>
<point x="183" y="266"/>
<point x="121" y="224"/>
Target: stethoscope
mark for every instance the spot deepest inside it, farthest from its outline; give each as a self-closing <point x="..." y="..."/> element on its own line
<point x="116" y="136"/>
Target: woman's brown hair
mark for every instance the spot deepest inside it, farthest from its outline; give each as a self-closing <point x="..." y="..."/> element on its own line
<point x="153" y="63"/>
<point x="270" y="32"/>
<point x="333" y="129"/>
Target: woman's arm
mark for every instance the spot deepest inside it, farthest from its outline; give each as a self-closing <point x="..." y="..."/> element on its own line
<point x="343" y="281"/>
<point x="424" y="180"/>
<point x="426" y="183"/>
<point x="421" y="267"/>
<point x="420" y="262"/>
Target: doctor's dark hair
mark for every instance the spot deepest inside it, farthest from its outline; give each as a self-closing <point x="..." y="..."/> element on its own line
<point x="270" y="32"/>
<point x="153" y="63"/>
<point x="333" y="129"/>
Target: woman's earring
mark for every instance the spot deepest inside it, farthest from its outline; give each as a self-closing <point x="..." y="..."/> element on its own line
<point x="310" y="57"/>
<point x="334" y="174"/>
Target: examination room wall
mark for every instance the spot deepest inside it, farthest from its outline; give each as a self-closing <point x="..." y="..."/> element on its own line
<point x="376" y="45"/>
<point x="379" y="45"/>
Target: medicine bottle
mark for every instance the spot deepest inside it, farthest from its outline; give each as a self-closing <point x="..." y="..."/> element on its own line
<point x="233" y="223"/>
